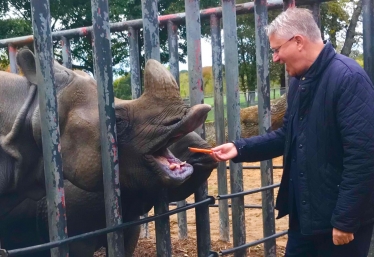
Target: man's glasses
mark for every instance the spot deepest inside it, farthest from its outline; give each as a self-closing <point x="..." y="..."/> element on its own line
<point x="276" y="50"/>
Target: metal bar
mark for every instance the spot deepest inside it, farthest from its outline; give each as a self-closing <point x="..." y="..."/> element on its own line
<point x="233" y="250"/>
<point x="229" y="205"/>
<point x="12" y="59"/>
<point x="66" y="53"/>
<point x="136" y="87"/>
<point x="256" y="167"/>
<point x="264" y="121"/>
<point x="196" y="88"/>
<point x="173" y="49"/>
<point x="233" y="119"/>
<point x="36" y="248"/>
<point x="368" y="33"/>
<point x="174" y="70"/>
<point x="368" y="47"/>
<point x="108" y="136"/>
<point x="315" y="8"/>
<point x="151" y="29"/>
<point x="138" y="23"/>
<point x="163" y="241"/>
<point x="182" y="221"/>
<point x="287" y="4"/>
<point x="248" y="192"/>
<point x="54" y="182"/>
<point x="219" y="123"/>
<point x="152" y="51"/>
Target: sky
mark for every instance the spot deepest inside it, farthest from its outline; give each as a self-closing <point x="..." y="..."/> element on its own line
<point x="206" y="55"/>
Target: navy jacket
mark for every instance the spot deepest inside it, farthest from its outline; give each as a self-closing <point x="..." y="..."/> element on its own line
<point x="335" y="145"/>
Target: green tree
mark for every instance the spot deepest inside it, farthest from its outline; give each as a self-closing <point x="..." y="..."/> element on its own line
<point x="122" y="87"/>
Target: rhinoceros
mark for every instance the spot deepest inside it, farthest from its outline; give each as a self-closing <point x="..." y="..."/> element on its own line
<point x="146" y="127"/>
<point x="27" y="223"/>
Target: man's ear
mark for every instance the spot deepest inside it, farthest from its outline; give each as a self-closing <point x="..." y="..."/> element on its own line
<point x="300" y="41"/>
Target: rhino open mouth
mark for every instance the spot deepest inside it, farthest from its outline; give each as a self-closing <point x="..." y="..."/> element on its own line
<point x="174" y="168"/>
<point x="173" y="171"/>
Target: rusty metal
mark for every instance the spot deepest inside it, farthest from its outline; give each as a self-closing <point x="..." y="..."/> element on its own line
<point x="53" y="173"/>
<point x="152" y="51"/>
<point x="66" y="52"/>
<point x="233" y="120"/>
<point x="173" y="49"/>
<point x="264" y="122"/>
<point x="151" y="29"/>
<point x="138" y="23"/>
<point x="174" y="70"/>
<point x="196" y="88"/>
<point x="12" y="59"/>
<point x="108" y="136"/>
<point x="136" y="87"/>
<point x="219" y="123"/>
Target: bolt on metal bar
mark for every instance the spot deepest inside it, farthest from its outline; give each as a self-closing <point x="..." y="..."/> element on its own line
<point x="233" y="119"/>
<point x="248" y="192"/>
<point x="108" y="136"/>
<point x="53" y="172"/>
<point x="219" y="123"/>
<point x="264" y="117"/>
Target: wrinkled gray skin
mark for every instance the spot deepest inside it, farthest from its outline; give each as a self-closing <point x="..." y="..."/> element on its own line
<point x="146" y="127"/>
<point x="26" y="225"/>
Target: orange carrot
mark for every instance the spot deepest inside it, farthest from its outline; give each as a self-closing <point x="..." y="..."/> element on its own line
<point x="200" y="150"/>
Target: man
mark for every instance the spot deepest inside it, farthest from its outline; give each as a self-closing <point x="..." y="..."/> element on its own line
<point x="327" y="142"/>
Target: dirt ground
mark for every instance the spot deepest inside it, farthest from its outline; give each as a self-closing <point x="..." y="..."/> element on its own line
<point x="253" y="219"/>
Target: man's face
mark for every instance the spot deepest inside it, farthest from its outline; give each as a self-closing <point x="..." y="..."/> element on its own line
<point x="285" y="51"/>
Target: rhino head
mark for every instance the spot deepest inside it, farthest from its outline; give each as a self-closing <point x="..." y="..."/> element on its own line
<point x="146" y="127"/>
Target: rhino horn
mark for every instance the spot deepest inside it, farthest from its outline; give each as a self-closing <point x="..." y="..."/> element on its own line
<point x="159" y="82"/>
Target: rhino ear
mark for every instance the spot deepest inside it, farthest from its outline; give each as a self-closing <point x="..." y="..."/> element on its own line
<point x="26" y="61"/>
<point x="159" y="81"/>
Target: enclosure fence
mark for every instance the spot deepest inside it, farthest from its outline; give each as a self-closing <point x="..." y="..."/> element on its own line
<point x="149" y="24"/>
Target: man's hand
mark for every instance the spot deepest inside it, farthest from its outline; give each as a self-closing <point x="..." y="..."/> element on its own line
<point x="224" y="152"/>
<point x="340" y="237"/>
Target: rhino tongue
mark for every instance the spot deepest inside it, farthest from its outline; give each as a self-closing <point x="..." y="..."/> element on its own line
<point x="172" y="166"/>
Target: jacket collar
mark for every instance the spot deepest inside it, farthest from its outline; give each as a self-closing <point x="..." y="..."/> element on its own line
<point x="319" y="65"/>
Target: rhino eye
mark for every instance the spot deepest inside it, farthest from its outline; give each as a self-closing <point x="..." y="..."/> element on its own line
<point x="123" y="124"/>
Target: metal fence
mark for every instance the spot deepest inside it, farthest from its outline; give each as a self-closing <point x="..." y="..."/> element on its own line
<point x="150" y="23"/>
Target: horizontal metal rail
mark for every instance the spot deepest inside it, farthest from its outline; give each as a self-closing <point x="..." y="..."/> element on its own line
<point x="46" y="246"/>
<point x="229" y="196"/>
<point x="256" y="167"/>
<point x="138" y="23"/>
<point x="245" y="246"/>
<point x="229" y="205"/>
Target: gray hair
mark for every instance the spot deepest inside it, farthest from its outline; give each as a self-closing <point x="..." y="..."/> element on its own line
<point x="295" y="21"/>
